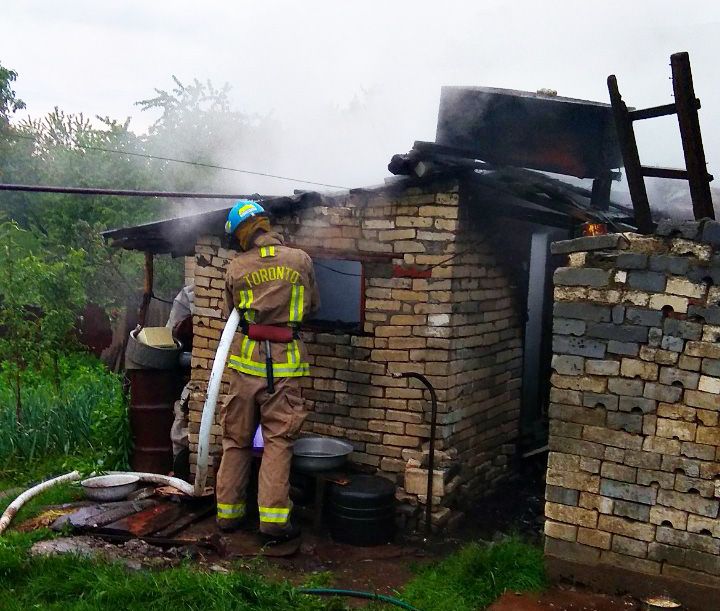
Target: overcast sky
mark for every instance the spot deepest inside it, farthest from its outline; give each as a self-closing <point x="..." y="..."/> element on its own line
<point x="352" y="83"/>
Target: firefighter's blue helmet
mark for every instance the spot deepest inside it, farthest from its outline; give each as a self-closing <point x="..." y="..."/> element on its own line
<point x="241" y="212"/>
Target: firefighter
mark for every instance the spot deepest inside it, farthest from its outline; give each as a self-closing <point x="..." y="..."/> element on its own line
<point x="274" y="289"/>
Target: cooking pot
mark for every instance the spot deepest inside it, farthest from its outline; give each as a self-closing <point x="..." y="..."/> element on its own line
<point x="313" y="454"/>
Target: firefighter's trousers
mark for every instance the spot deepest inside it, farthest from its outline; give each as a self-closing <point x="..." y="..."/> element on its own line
<point x="281" y="415"/>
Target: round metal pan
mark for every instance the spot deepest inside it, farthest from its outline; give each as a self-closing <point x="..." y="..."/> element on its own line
<point x="109" y="487"/>
<point x="313" y="454"/>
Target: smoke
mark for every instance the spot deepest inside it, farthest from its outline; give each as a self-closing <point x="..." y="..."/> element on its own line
<point x="341" y="87"/>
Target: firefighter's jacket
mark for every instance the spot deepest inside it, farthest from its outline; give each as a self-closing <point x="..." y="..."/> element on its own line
<point x="271" y="284"/>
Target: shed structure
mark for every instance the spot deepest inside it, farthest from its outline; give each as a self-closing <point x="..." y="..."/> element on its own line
<point x="442" y="267"/>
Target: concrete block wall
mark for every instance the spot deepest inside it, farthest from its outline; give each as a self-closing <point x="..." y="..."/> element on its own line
<point x="419" y="316"/>
<point x="633" y="478"/>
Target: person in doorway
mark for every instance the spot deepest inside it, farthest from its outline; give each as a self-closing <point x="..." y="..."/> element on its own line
<point x="274" y="289"/>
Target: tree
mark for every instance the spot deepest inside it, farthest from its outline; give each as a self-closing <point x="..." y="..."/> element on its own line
<point x="40" y="300"/>
<point x="9" y="103"/>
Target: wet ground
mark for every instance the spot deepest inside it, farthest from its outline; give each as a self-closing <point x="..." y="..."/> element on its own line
<point x="516" y="508"/>
<point x="559" y="598"/>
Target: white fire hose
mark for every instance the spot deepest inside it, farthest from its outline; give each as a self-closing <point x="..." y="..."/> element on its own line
<point x="208" y="414"/>
<point x="208" y="418"/>
<point x="153" y="478"/>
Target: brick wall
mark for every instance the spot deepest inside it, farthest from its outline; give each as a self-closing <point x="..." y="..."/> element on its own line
<point x="454" y="323"/>
<point x="634" y="436"/>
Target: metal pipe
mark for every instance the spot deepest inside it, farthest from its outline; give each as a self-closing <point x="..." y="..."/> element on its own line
<point x="121" y="192"/>
<point x="431" y="455"/>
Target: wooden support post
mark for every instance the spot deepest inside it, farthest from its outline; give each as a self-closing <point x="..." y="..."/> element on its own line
<point x="147" y="288"/>
<point x="631" y="158"/>
<point x="689" y="123"/>
<point x="600" y="197"/>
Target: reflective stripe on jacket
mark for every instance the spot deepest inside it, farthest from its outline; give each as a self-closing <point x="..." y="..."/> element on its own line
<point x="271" y="284"/>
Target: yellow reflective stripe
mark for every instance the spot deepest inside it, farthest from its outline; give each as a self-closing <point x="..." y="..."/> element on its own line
<point x="226" y="511"/>
<point x="272" y="251"/>
<point x="296" y="303"/>
<point x="277" y="515"/>
<point x="267" y="251"/>
<point x="280" y="370"/>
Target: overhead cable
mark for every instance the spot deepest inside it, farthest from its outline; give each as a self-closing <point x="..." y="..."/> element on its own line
<point x="194" y="163"/>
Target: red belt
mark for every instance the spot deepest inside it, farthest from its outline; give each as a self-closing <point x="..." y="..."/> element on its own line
<point x="283" y="335"/>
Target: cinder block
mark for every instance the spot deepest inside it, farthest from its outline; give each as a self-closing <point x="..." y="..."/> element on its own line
<point x="637" y="405"/>
<point x="582" y="276"/>
<point x="605" y="242"/>
<point x="690" y="502"/>
<point x="642" y="459"/>
<point x="633" y="368"/>
<point x="563" y="496"/>
<point x="621" y="473"/>
<point x="568" y="365"/>
<point x="603" y="400"/>
<point x="652" y="282"/>
<point x="640" y="316"/>
<point x="571" y="515"/>
<point x="578" y="346"/>
<point x="626" y="387"/>
<point x="688" y="540"/>
<point x="557" y="530"/>
<point x="631" y="260"/>
<point x="628" y="546"/>
<point x="620" y="333"/>
<point x="583" y="311"/>
<point x="632" y="423"/>
<point x="661" y="392"/>
<point x="710" y="315"/>
<point x="669" y="264"/>
<point x="624" y="348"/>
<point x="594" y="538"/>
<point x="675" y="429"/>
<point x="569" y="326"/>
<point x="666" y="516"/>
<point x="627" y="528"/>
<point x="602" y="368"/>
<point x="682" y="328"/>
<point x="674" y="344"/>
<point x="628" y="491"/>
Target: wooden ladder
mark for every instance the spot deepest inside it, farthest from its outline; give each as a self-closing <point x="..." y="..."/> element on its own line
<point x="685" y="106"/>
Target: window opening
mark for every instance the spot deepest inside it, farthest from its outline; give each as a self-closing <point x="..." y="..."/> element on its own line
<point x="340" y="282"/>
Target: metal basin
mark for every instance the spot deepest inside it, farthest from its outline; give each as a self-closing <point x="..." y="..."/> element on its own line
<point x="313" y="454"/>
<point x="109" y="487"/>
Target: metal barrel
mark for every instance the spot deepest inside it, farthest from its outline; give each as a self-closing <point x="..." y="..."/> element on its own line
<point x="152" y="395"/>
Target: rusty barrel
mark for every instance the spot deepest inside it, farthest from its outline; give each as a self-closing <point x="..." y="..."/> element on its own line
<point x="155" y="385"/>
<point x="152" y="395"/>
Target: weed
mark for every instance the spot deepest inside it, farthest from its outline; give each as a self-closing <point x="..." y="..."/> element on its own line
<point x="86" y="418"/>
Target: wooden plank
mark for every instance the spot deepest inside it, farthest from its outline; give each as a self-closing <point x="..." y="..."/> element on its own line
<point x="89" y="518"/>
<point x="689" y="123"/>
<point x="145" y="522"/>
<point x="655" y="172"/>
<point x="651" y="113"/>
<point x="185" y="520"/>
<point x="631" y="158"/>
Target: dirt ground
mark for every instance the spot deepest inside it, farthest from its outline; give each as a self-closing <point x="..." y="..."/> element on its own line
<point x="385" y="569"/>
<point x="559" y="598"/>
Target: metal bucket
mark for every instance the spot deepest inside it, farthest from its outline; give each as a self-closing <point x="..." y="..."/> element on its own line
<point x="315" y="454"/>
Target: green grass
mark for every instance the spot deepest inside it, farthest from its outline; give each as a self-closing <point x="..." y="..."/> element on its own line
<point x="86" y="418"/>
<point x="70" y="583"/>
<point x="477" y="575"/>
